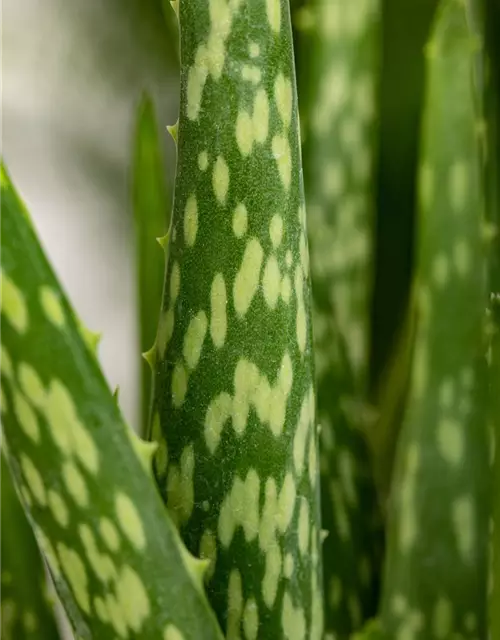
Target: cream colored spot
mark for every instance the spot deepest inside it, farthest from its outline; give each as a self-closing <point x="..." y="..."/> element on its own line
<point x="251" y="73"/>
<point x="75" y="484"/>
<point x="218" y="304"/>
<point x="208" y="551"/>
<point x="109" y="534"/>
<point x="172" y="633"/>
<point x="260" y="116"/>
<point x="442" y="619"/>
<point x="286" y="289"/>
<point x="33" y="479"/>
<point x="283" y="97"/>
<point x="247" y="278"/>
<point x="194" y="339"/>
<point x="240" y="220"/>
<point x="52" y="307"/>
<point x="271" y="282"/>
<point x="58" y="508"/>
<point x="288" y="258"/>
<point x="179" y="384"/>
<point x="450" y="439"/>
<point x="218" y="412"/>
<point x="197" y="76"/>
<point x="190" y="221"/>
<point x="283" y="156"/>
<point x="301" y="319"/>
<point x="26" y="417"/>
<point x="273" y="8"/>
<point x="132" y="598"/>
<point x="288" y="566"/>
<point x="463" y="518"/>
<point x="13" y="304"/>
<point x="301" y="434"/>
<point x="74" y="571"/>
<point x="254" y="50"/>
<point x="251" y="620"/>
<point x="285" y="374"/>
<point x="203" y="161"/>
<point x="292" y="619"/>
<point x="244" y="132"/>
<point x="249" y="507"/>
<point x="101" y="610"/>
<point x="31" y="384"/>
<point x="220" y="180"/>
<point x="129" y="520"/>
<point x="175" y="282"/>
<point x="276" y="230"/>
<point x="234" y="605"/>
<point x="286" y="503"/>
<point x="101" y="564"/>
<point x="272" y="575"/>
<point x="267" y="524"/>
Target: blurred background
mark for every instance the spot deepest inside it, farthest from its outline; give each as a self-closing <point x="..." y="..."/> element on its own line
<point x="73" y="76"/>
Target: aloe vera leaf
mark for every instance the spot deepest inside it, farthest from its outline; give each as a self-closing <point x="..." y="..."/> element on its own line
<point x="118" y="565"/>
<point x="235" y="395"/>
<point x="26" y="609"/>
<point x="337" y="53"/>
<point x="436" y="565"/>
<point x="151" y="212"/>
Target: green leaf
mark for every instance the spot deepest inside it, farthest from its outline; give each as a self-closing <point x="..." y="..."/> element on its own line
<point x="151" y="213"/>
<point x="26" y="610"/>
<point x="234" y="385"/>
<point x="118" y="564"/>
<point x="338" y="48"/>
<point x="436" y="568"/>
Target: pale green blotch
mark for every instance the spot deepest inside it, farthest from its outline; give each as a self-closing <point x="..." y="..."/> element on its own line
<point x="251" y="73"/>
<point x="220" y="180"/>
<point x="244" y="132"/>
<point x="234" y="605"/>
<point x="208" y="551"/>
<point x="31" y="385"/>
<point x="304" y="528"/>
<point x="109" y="534"/>
<point x="301" y="318"/>
<point x="271" y="282"/>
<point x="218" y="413"/>
<point x="283" y="97"/>
<point x="408" y="528"/>
<point x="240" y="220"/>
<point x="458" y="185"/>
<point x="462" y="257"/>
<point x="74" y="571"/>
<point x="276" y="230"/>
<point x="272" y="575"/>
<point x="52" y="307"/>
<point x="286" y="503"/>
<point x="33" y="479"/>
<point x="179" y="384"/>
<point x="283" y="157"/>
<point x="175" y="282"/>
<point x="463" y="519"/>
<point x="180" y="487"/>
<point x="6" y="363"/>
<point x="251" y="619"/>
<point x="247" y="279"/>
<point x="261" y="116"/>
<point x="273" y="10"/>
<point x="218" y="316"/>
<point x="288" y="566"/>
<point x="450" y="439"/>
<point x="13" y="304"/>
<point x="203" y="161"/>
<point x="190" y="221"/>
<point x="292" y="619"/>
<point x="75" y="484"/>
<point x="101" y="564"/>
<point x="132" y="598"/>
<point x="129" y="520"/>
<point x="172" y="633"/>
<point x="58" y="508"/>
<point x="194" y="339"/>
<point x="26" y="417"/>
<point x="30" y="621"/>
<point x="442" y="619"/>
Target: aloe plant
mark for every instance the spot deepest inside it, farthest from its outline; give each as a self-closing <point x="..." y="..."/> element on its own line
<point x="84" y="476"/>
<point x="26" y="605"/>
<point x="337" y="54"/>
<point x="235" y="396"/>
<point x="216" y="529"/>
<point x="436" y="565"/>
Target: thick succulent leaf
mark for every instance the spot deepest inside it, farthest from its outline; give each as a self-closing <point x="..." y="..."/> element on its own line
<point x="117" y="561"/>
<point x="234" y="386"/>
<point x="337" y="53"/>
<point x="435" y="578"/>
<point x="151" y="212"/>
<point x="26" y="610"/>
